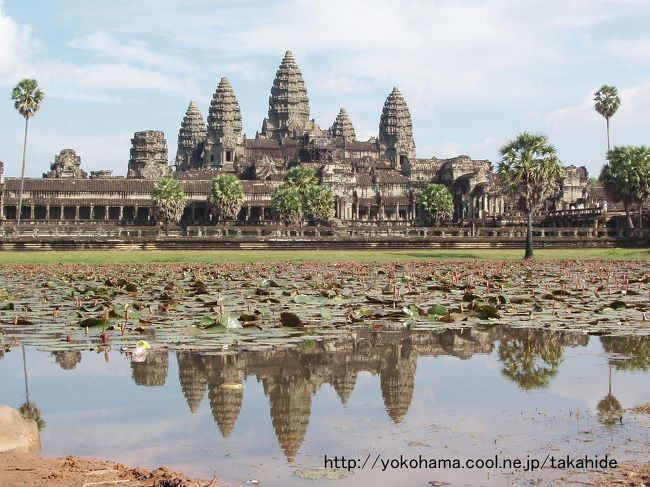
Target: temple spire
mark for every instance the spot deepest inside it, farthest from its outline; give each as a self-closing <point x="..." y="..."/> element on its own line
<point x="225" y="138"/>
<point x="342" y="127"/>
<point x="396" y="130"/>
<point x="190" y="139"/>
<point x="288" y="104"/>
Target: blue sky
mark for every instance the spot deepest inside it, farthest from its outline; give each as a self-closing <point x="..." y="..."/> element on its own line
<point x="474" y="73"/>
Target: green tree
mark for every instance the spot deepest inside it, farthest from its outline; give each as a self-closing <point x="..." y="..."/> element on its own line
<point x="31" y="411"/>
<point x="286" y="203"/>
<point x="530" y="171"/>
<point x="226" y="196"/>
<point x="318" y="203"/>
<point x="302" y="177"/>
<point x="27" y="98"/>
<point x="437" y="202"/>
<point x="626" y="177"/>
<point x="607" y="103"/>
<point x="168" y="200"/>
<point x="609" y="408"/>
<point x="530" y="358"/>
<point x="628" y="353"/>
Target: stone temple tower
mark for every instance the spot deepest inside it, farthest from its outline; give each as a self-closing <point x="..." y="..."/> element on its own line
<point x="396" y="131"/>
<point x="191" y="137"/>
<point x="149" y="156"/>
<point x="288" y="103"/>
<point x="342" y="128"/>
<point x="225" y="140"/>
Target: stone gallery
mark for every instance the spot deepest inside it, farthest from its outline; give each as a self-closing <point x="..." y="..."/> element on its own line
<point x="377" y="180"/>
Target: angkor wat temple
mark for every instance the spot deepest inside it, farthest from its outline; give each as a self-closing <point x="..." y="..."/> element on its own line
<point x="379" y="179"/>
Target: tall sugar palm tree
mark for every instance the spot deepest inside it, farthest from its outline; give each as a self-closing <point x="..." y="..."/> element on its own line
<point x="607" y="103"/>
<point x="530" y="171"/>
<point x="169" y="200"/>
<point x="27" y="98"/>
<point x="226" y="197"/>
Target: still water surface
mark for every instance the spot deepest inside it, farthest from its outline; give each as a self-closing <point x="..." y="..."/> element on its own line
<point x="458" y="394"/>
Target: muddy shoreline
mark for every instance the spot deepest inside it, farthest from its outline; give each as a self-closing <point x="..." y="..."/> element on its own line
<point x="34" y="471"/>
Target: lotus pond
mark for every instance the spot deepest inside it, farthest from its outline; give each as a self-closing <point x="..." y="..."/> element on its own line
<point x="257" y="371"/>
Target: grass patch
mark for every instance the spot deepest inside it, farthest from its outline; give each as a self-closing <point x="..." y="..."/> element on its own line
<point x="212" y="256"/>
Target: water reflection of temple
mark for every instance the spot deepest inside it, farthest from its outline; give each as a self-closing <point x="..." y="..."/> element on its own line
<point x="291" y="377"/>
<point x="67" y="359"/>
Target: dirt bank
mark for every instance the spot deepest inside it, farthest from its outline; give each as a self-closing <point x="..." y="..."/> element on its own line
<point x="34" y="471"/>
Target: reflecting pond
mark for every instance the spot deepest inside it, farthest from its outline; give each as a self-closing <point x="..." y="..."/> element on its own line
<point x="467" y="393"/>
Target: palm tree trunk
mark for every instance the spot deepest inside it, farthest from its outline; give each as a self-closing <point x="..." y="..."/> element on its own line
<point x="628" y="216"/>
<point x="22" y="176"/>
<point x="25" y="371"/>
<point x="529" y="235"/>
<point x="640" y="224"/>
<point x="608" y="148"/>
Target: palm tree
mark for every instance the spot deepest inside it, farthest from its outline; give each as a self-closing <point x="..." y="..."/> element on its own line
<point x="226" y="196"/>
<point x="27" y="100"/>
<point x="169" y="200"/>
<point x="607" y="103"/>
<point x="530" y="171"/>
<point x="626" y="177"/>
<point x="287" y="203"/>
<point x="609" y="408"/>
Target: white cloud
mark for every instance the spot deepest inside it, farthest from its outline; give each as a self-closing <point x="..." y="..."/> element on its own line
<point x="634" y="109"/>
<point x="15" y="43"/>
<point x="635" y="50"/>
<point x="138" y="52"/>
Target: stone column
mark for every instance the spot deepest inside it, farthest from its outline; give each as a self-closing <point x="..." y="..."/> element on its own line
<point x="106" y="211"/>
<point x="357" y="211"/>
<point x="62" y="212"/>
<point x="248" y="214"/>
<point x="121" y="213"/>
<point x="262" y="208"/>
<point x="92" y="212"/>
<point x="397" y="212"/>
<point x="31" y="212"/>
<point x="47" y="212"/>
<point x="76" y="213"/>
<point x="382" y="214"/>
<point x="135" y="213"/>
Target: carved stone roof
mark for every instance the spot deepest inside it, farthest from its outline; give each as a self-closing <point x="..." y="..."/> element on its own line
<point x="224" y="117"/>
<point x="288" y="103"/>
<point x="149" y="155"/>
<point x="390" y="177"/>
<point x="395" y="117"/>
<point x="361" y="146"/>
<point x="66" y="165"/>
<point x="193" y="130"/>
<point x="395" y="200"/>
<point x="342" y="127"/>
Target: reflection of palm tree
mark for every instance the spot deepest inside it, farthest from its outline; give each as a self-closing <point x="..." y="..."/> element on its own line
<point x="32" y="412"/>
<point x="633" y="353"/>
<point x="27" y="409"/>
<point x="609" y="408"/>
<point x="531" y="359"/>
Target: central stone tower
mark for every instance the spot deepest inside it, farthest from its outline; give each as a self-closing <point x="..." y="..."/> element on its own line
<point x="396" y="132"/>
<point x="288" y="103"/>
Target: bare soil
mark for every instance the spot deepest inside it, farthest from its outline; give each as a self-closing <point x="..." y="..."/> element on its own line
<point x="632" y="475"/>
<point x="71" y="471"/>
